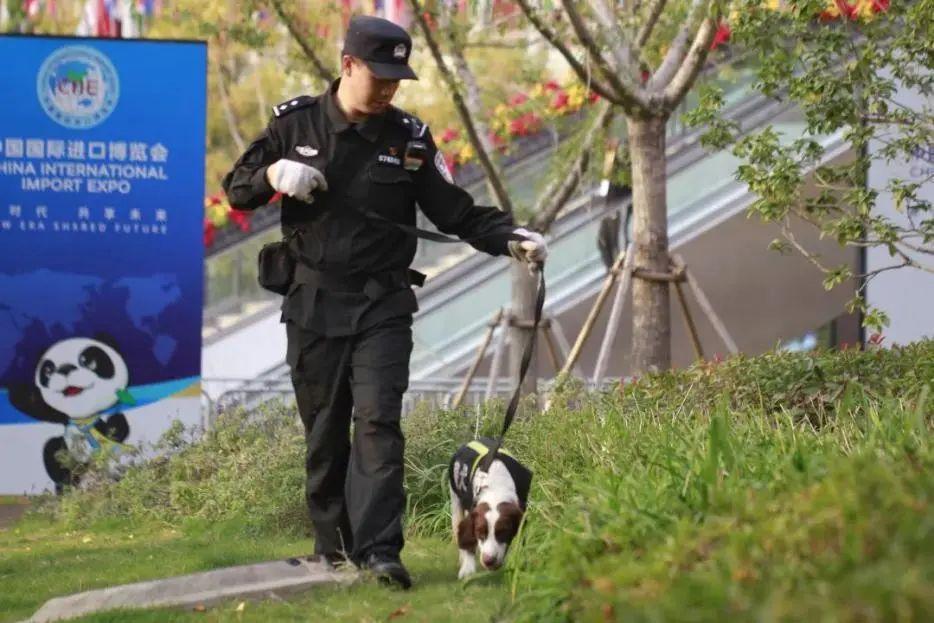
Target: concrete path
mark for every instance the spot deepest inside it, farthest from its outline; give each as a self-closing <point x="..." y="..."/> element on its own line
<point x="268" y="579"/>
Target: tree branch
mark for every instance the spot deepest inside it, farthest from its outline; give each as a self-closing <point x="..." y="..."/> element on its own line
<point x="648" y="25"/>
<point x="551" y="37"/>
<point x="632" y="99"/>
<point x="320" y="68"/>
<point x="687" y="73"/>
<point x="615" y="36"/>
<point x="679" y="46"/>
<point x="229" y="115"/>
<point x="553" y="199"/>
<point x="489" y="168"/>
<point x="472" y="96"/>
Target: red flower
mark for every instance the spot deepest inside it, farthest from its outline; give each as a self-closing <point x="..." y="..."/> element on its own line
<point x="551" y="85"/>
<point x="517" y="127"/>
<point x="451" y="161"/>
<point x="592" y="97"/>
<point x="208" y="233"/>
<point x="721" y="36"/>
<point x="850" y="11"/>
<point x="560" y="100"/>
<point x="525" y="124"/>
<point x="241" y="218"/>
<point x="876" y="339"/>
<point x="645" y="76"/>
<point x="517" y="99"/>
<point x="214" y="200"/>
<point x="880" y="6"/>
<point x="498" y="141"/>
<point x="449" y="135"/>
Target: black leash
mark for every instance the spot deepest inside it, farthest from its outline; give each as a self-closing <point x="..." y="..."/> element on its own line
<point x="487" y="460"/>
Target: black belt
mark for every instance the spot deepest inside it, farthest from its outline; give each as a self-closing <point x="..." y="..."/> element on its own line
<point x="374" y="285"/>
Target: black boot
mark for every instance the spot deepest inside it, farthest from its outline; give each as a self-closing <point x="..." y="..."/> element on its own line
<point x="389" y="570"/>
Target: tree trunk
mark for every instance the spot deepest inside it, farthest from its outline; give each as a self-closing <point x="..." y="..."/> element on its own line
<point x="524" y="289"/>
<point x="651" y="318"/>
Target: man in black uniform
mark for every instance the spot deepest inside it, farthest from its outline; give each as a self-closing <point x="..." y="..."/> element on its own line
<point x="350" y="166"/>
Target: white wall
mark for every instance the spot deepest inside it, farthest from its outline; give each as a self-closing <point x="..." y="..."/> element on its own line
<point x="906" y="294"/>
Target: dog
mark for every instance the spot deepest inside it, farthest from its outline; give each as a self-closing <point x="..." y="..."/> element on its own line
<point x="487" y="507"/>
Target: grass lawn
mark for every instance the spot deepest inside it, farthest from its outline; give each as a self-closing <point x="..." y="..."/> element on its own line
<point x="784" y="487"/>
<point x="38" y="561"/>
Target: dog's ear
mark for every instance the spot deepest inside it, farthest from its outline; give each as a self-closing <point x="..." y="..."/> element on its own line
<point x="507" y="525"/>
<point x="466" y="535"/>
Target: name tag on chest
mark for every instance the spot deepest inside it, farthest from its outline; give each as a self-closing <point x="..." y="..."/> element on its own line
<point x="387" y="159"/>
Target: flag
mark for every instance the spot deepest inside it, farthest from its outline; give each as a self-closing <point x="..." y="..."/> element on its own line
<point x="397" y="11"/>
<point x="31" y="8"/>
<point x="87" y="25"/>
<point x="104" y="25"/>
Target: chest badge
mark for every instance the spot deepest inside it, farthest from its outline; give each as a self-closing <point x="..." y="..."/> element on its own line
<point x="390" y="158"/>
<point x="306" y="150"/>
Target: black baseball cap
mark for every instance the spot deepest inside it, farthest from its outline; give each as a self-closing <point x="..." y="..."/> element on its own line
<point x="382" y="45"/>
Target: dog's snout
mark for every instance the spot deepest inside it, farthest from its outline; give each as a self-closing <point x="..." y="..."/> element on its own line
<point x="66" y="369"/>
<point x="490" y="562"/>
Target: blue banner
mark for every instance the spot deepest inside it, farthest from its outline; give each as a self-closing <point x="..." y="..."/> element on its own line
<point x="101" y="204"/>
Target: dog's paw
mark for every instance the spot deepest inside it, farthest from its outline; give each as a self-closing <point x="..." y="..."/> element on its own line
<point x="466" y="571"/>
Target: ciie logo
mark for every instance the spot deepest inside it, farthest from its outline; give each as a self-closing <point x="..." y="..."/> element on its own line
<point x="78" y="87"/>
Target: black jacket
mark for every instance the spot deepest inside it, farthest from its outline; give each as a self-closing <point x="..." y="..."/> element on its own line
<point x="364" y="166"/>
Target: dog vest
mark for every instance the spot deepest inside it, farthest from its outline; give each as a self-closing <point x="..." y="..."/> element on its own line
<point x="464" y="466"/>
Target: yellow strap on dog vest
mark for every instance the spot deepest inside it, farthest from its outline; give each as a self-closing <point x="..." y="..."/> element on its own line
<point x="482" y="450"/>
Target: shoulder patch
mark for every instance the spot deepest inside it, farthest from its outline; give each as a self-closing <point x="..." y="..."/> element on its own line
<point x="293" y="104"/>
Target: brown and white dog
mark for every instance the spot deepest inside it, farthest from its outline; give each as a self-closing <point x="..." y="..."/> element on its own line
<point x="486" y="506"/>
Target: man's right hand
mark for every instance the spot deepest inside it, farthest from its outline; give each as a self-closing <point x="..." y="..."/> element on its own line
<point x="295" y="179"/>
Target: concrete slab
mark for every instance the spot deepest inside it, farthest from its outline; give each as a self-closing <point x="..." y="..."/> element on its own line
<point x="257" y="581"/>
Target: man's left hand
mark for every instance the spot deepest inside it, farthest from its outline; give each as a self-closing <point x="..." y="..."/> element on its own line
<point x="532" y="250"/>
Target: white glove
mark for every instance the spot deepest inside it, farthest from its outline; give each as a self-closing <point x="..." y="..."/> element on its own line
<point x="295" y="179"/>
<point x="532" y="250"/>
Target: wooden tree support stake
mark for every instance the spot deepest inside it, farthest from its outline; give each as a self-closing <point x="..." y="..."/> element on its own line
<point x="603" y="359"/>
<point x="689" y="321"/>
<point x="705" y="305"/>
<point x="591" y="320"/>
<point x="498" y="353"/>
<point x="481" y="353"/>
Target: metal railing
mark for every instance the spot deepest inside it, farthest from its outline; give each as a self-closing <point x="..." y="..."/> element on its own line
<point x="249" y="394"/>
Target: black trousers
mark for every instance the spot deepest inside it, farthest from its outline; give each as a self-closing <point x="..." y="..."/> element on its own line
<point x="354" y="487"/>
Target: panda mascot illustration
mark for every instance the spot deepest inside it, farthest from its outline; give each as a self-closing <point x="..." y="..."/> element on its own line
<point x="75" y="382"/>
